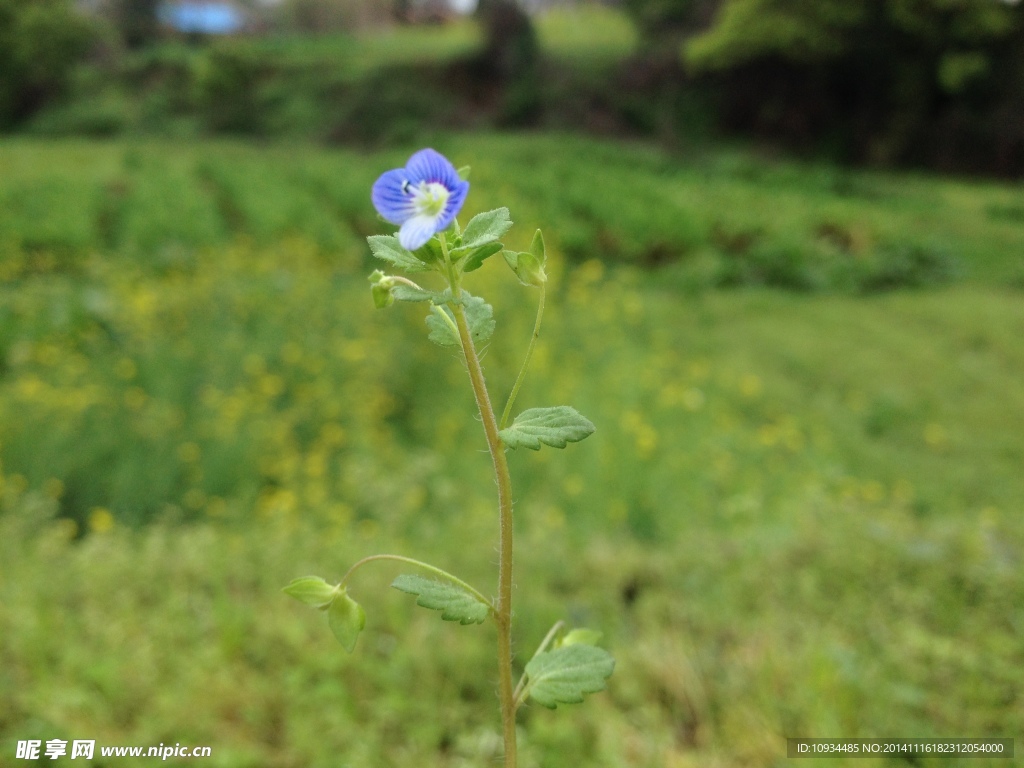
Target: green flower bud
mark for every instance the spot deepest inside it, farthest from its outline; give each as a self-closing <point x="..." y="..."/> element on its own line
<point x="529" y="265"/>
<point x="382" y="296"/>
<point x="527" y="268"/>
<point x="380" y="289"/>
<point x="313" y="591"/>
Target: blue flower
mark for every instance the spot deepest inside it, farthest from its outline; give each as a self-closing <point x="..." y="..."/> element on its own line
<point x="422" y="198"/>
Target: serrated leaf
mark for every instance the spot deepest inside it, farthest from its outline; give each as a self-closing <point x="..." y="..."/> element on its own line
<point x="551" y="426"/>
<point x="312" y="591"/>
<point x="476" y="259"/>
<point x="486" y="228"/>
<point x="479" y="317"/>
<point x="454" y="602"/>
<point x="564" y="675"/>
<point x="346" y="618"/>
<point x="387" y="248"/>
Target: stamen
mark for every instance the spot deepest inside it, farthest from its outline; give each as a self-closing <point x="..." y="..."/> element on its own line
<point x="429" y="198"/>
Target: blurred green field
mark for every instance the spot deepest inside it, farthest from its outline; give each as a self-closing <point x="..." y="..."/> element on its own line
<point x="706" y="218"/>
<point x="800" y="514"/>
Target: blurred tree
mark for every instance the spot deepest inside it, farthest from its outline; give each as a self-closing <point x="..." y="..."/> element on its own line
<point x="136" y="20"/>
<point x="895" y="80"/>
<point x="510" y="41"/>
<point x="40" y="43"/>
<point x="663" y="24"/>
<point x="823" y="30"/>
<point x="509" y="59"/>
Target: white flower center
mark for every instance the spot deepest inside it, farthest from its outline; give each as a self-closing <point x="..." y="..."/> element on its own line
<point x="430" y="198"/>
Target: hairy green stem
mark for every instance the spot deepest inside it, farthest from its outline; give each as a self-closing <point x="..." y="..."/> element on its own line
<point x="419" y="564"/>
<point x="504" y="605"/>
<point x="503" y="613"/>
<point x="526" y="362"/>
<point x="405" y="281"/>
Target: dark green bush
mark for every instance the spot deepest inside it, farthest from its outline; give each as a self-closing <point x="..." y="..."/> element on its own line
<point x="825" y="263"/>
<point x="40" y="43"/>
<point x="907" y="266"/>
<point x="107" y="113"/>
<point x="229" y="89"/>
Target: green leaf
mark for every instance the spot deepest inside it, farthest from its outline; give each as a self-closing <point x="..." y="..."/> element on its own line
<point x="479" y="316"/>
<point x="552" y="426"/>
<point x="486" y="228"/>
<point x="388" y="248"/>
<point x="312" y="591"/>
<point x="476" y="259"/>
<point x="346" y="618"/>
<point x="537" y="248"/>
<point x="430" y="253"/>
<point x="564" y="675"/>
<point x="580" y="636"/>
<point x="441" y="331"/>
<point x="454" y="602"/>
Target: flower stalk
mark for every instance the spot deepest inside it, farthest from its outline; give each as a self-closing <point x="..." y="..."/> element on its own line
<point x="423" y="199"/>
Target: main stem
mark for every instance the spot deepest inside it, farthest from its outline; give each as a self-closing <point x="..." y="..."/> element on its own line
<point x="501" y="473"/>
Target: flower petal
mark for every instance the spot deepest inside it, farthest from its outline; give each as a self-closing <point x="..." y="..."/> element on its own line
<point x="453" y="206"/>
<point x="416" y="231"/>
<point x="429" y="165"/>
<point x="390" y="198"/>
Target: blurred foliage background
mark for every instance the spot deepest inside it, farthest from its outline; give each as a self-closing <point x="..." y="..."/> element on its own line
<point x="930" y="83"/>
<point x="802" y="348"/>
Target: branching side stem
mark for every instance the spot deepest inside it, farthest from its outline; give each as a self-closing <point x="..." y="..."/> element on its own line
<point x="526" y="362"/>
<point x="419" y="564"/>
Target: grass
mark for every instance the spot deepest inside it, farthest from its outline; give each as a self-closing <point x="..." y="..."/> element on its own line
<point x="709" y="217"/>
<point x="799" y="515"/>
<point x="586" y="33"/>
